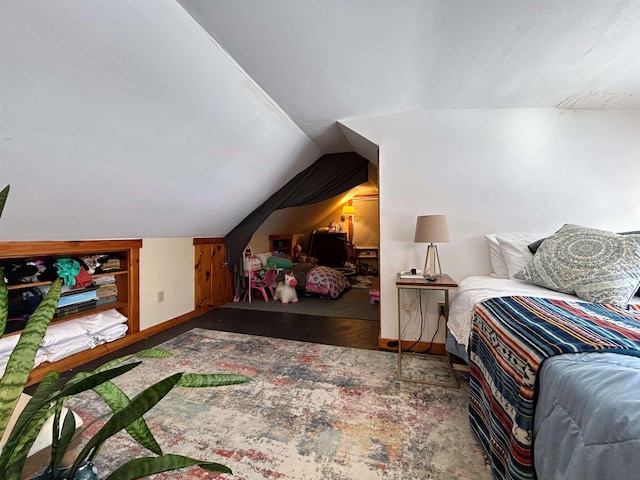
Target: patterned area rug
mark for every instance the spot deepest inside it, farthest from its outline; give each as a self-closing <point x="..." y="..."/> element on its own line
<point x="310" y="412"/>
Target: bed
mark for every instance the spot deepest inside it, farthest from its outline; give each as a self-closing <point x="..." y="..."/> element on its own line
<point x="311" y="278"/>
<point x="554" y="378"/>
<point x="325" y="281"/>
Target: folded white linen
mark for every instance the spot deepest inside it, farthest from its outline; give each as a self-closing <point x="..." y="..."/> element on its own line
<point x="66" y="349"/>
<point x="8" y="343"/>
<point x="99" y="321"/>
<point x="110" y="334"/>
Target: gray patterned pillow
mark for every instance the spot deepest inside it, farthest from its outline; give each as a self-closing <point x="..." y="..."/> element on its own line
<point x="595" y="265"/>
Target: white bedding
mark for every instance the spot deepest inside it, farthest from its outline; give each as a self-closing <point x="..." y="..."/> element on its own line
<point x="475" y="289"/>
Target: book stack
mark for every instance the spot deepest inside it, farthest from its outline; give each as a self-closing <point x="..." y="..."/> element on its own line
<point x="107" y="291"/>
<point x="110" y="265"/>
<point x="77" y="300"/>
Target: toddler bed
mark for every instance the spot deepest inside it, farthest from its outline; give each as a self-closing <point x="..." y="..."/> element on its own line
<point x="311" y="278"/>
<point x="554" y="378"/>
<point x="325" y="281"/>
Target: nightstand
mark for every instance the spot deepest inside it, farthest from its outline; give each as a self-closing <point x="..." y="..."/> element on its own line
<point x="443" y="283"/>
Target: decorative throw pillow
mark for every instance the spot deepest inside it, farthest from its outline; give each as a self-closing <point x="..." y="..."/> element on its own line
<point x="595" y="265"/>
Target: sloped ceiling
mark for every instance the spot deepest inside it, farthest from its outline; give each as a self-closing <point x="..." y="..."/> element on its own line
<point x="177" y="118"/>
<point x="328" y="60"/>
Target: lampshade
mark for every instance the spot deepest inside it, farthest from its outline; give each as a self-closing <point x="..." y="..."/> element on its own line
<point x="432" y="229"/>
<point x="348" y="210"/>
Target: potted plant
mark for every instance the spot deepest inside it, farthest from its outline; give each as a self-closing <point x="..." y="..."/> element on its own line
<point x="50" y="396"/>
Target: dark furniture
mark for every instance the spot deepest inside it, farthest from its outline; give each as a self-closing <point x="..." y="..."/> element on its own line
<point x="329" y="249"/>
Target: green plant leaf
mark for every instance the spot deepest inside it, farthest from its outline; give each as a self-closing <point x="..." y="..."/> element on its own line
<point x="140" y="404"/>
<point x="154" y="353"/>
<point x="22" y="357"/>
<point x="116" y="400"/>
<point x="4" y="293"/>
<point x="3" y="197"/>
<point x="211" y="379"/>
<point x="113" y="363"/>
<point x="92" y="380"/>
<point x="145" y="466"/>
<point x="36" y="403"/>
<point x="61" y="442"/>
<point x="4" y="302"/>
<point x="23" y="442"/>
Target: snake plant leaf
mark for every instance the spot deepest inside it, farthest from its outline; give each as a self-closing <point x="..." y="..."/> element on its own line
<point x="116" y="400"/>
<point x="35" y="404"/>
<point x="113" y="363"/>
<point x="23" y="443"/>
<point x="211" y="379"/>
<point x="4" y="294"/>
<point x="62" y="440"/>
<point x="3" y="197"/>
<point x="145" y="466"/>
<point x="93" y="380"/>
<point x="4" y="302"/>
<point x="140" y="404"/>
<point x="23" y="355"/>
<point x="154" y="353"/>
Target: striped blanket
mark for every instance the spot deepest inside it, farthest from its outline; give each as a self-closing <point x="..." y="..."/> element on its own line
<point x="511" y="338"/>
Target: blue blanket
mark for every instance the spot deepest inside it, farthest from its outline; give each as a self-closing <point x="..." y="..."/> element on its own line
<point x="511" y="338"/>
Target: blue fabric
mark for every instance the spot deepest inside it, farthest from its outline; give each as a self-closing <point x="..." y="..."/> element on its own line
<point x="512" y="337"/>
<point x="587" y="421"/>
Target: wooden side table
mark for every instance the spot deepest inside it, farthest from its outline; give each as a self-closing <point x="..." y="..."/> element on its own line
<point x="443" y="283"/>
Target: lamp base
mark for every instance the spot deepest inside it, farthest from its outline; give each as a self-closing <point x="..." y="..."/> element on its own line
<point x="430" y="273"/>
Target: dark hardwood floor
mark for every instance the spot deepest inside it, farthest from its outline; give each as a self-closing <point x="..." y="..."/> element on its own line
<point x="344" y="332"/>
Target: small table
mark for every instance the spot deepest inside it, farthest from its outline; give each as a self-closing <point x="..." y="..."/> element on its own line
<point x="443" y="283"/>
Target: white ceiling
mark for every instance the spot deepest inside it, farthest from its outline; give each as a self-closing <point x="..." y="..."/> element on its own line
<point x="328" y="60"/>
<point x="177" y="118"/>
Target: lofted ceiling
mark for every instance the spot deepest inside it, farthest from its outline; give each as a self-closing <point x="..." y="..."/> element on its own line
<point x="327" y="60"/>
<point x="178" y="117"/>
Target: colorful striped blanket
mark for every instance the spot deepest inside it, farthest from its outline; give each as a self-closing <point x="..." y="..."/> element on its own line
<point x="511" y="338"/>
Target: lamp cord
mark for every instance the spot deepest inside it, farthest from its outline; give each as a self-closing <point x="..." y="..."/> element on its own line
<point x="419" y="295"/>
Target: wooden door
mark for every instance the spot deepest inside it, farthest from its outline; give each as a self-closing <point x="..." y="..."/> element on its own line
<point x="213" y="282"/>
<point x="222" y="282"/>
<point x="202" y="275"/>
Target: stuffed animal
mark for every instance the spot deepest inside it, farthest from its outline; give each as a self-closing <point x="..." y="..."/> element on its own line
<point x="286" y="291"/>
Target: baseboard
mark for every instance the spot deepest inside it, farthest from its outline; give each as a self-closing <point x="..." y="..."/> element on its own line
<point x="148" y="332"/>
<point x="420" y="347"/>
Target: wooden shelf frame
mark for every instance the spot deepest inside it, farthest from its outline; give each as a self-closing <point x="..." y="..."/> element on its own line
<point x="127" y="282"/>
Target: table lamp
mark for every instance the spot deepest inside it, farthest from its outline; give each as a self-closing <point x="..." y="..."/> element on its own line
<point x="431" y="229"/>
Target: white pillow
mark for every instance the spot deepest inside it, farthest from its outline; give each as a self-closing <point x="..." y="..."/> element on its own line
<point x="515" y="249"/>
<point x="498" y="262"/>
<point x="263" y="257"/>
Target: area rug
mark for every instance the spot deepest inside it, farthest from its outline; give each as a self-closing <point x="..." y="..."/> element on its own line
<point x="352" y="303"/>
<point x="310" y="412"/>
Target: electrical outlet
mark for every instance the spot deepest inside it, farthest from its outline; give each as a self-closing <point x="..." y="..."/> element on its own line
<point x="441" y="309"/>
<point x="160" y="296"/>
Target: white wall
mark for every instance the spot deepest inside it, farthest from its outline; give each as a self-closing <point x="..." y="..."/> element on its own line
<point x="499" y="170"/>
<point x="166" y="264"/>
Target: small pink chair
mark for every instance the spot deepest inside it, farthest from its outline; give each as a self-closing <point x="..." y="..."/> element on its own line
<point x="261" y="285"/>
